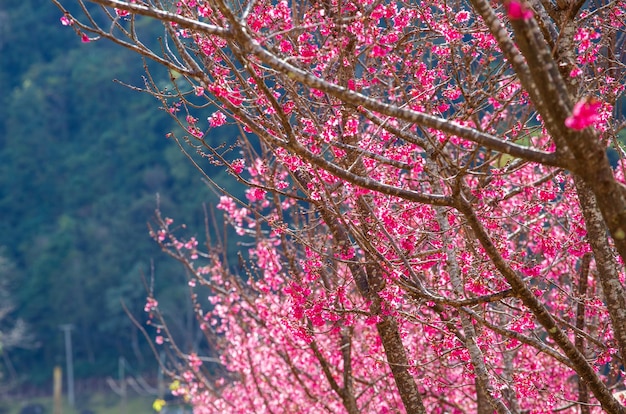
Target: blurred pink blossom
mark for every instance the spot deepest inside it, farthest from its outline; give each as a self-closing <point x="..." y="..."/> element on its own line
<point x="584" y="114"/>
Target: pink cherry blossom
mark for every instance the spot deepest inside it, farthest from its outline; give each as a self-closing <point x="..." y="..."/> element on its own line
<point x="66" y="21"/>
<point x="584" y="114"/>
<point x="217" y="119"/>
<point x="238" y="165"/>
<point x="407" y="188"/>
<point x="122" y="13"/>
<point x="517" y="10"/>
<point x="151" y="304"/>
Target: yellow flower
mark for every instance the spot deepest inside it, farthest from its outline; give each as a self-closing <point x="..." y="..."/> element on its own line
<point x="158" y="404"/>
<point x="175" y="385"/>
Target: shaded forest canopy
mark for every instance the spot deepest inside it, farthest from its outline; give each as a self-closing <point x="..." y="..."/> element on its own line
<point x="81" y="161"/>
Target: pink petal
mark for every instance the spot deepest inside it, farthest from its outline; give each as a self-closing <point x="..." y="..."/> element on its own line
<point x="518" y="11"/>
<point x="584" y="114"/>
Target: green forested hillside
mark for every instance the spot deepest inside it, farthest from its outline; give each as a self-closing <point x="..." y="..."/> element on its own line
<point x="81" y="161"/>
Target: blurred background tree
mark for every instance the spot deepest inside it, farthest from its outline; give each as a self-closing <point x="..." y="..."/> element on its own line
<point x="81" y="161"/>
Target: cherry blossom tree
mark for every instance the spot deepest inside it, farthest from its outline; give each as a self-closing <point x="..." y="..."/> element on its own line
<point x="432" y="222"/>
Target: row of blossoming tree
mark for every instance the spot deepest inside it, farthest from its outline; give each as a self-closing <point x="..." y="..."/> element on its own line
<point x="432" y="221"/>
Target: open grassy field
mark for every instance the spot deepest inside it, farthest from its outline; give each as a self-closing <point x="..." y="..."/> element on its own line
<point x="99" y="403"/>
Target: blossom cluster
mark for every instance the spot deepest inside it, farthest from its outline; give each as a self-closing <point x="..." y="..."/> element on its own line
<point x="425" y="242"/>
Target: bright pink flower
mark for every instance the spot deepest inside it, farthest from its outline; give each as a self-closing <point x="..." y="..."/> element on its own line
<point x="161" y="235"/>
<point x="238" y="165"/>
<point x="85" y="38"/>
<point x="255" y="194"/>
<point x="462" y="16"/>
<point x="194" y="361"/>
<point x="122" y="13"/>
<point x="191" y="244"/>
<point x="66" y="21"/>
<point x="575" y="72"/>
<point x="516" y="10"/>
<point x="584" y="114"/>
<point x="286" y="46"/>
<point x="195" y="131"/>
<point x="378" y="51"/>
<point x="217" y="119"/>
<point x="151" y="305"/>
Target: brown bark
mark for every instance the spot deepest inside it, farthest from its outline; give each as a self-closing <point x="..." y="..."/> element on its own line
<point x="398" y="363"/>
<point x="583" y="391"/>
<point x="369" y="282"/>
<point x="608" y="268"/>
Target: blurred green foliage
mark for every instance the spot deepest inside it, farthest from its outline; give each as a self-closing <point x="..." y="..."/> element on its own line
<point x="81" y="161"/>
